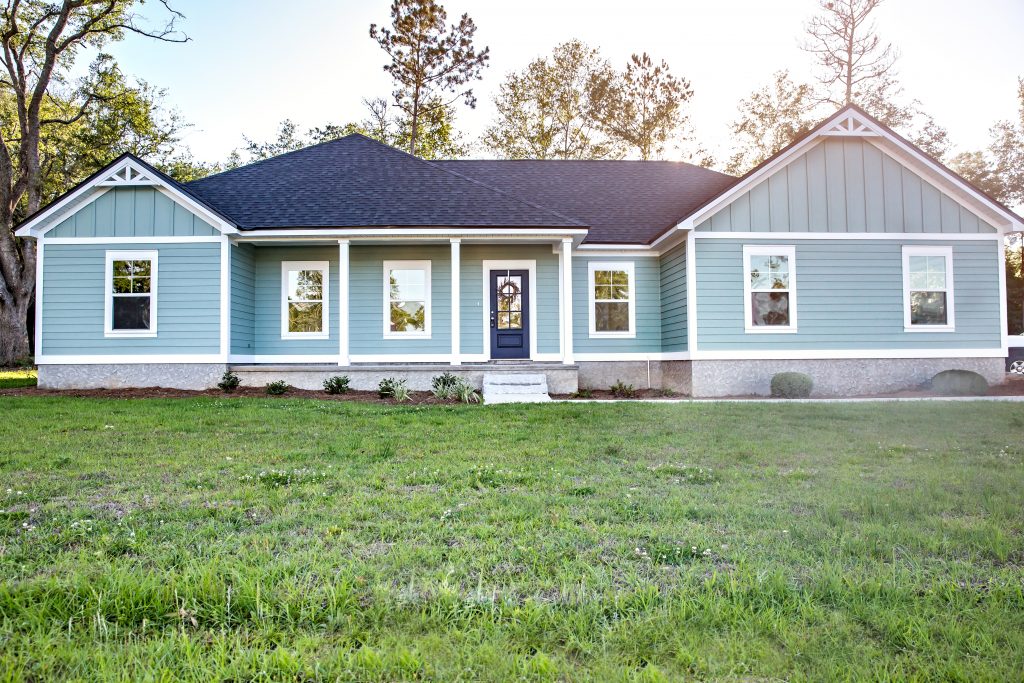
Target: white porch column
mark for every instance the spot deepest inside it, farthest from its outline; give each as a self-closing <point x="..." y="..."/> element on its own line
<point x="343" y="358"/>
<point x="566" y="304"/>
<point x="456" y="301"/>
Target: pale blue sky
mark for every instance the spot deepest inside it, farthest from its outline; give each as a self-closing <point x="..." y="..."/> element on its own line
<point x="252" y="63"/>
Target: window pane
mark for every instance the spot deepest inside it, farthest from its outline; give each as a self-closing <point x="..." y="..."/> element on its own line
<point x="305" y="317"/>
<point x="140" y="285"/>
<point x="620" y="292"/>
<point x="919" y="280"/>
<point x="122" y="268"/>
<point x="778" y="264"/>
<point x="510" y="293"/>
<point x="408" y="316"/>
<point x="130" y="313"/>
<point x="122" y="285"/>
<point x="602" y="277"/>
<point x="602" y="292"/>
<point x="305" y="285"/>
<point x="140" y="268"/>
<point x="918" y="264"/>
<point x="780" y="280"/>
<point x="408" y="284"/>
<point x="927" y="308"/>
<point x="611" y="317"/>
<point x="769" y="308"/>
<point x="620" y="277"/>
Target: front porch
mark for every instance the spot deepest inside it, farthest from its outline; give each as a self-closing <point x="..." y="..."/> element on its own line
<point x="561" y="378"/>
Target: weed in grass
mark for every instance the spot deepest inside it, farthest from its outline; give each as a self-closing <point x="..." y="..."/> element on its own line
<point x="687" y="474"/>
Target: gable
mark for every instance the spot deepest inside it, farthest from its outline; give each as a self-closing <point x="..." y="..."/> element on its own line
<point x="133" y="212"/>
<point x="845" y="184"/>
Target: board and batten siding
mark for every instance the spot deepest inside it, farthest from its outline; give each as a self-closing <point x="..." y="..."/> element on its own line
<point x="849" y="296"/>
<point x="133" y="212"/>
<point x="845" y="185"/>
<point x="243" y="299"/>
<point x="648" y="307"/>
<point x="188" y="300"/>
<point x="673" y="299"/>
<point x="476" y="301"/>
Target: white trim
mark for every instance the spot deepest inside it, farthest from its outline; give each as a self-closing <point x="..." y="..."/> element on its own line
<point x="632" y="356"/>
<point x="446" y="233"/>
<point x="428" y="303"/>
<point x="901" y="236"/>
<point x="225" y="296"/>
<point x="283" y="358"/>
<point x="603" y="250"/>
<point x="566" y="319"/>
<point x="1003" y="313"/>
<point x="344" y="318"/>
<point x="456" y="267"/>
<point x="38" y="338"/>
<point x="42" y="222"/>
<point x="874" y="136"/>
<point x="947" y="254"/>
<point x="134" y="240"/>
<point x="826" y="354"/>
<point x="691" y="290"/>
<point x="404" y="358"/>
<point x="630" y="268"/>
<point x="529" y="265"/>
<point x="123" y="359"/>
<point x="325" y="308"/>
<point x="110" y="256"/>
<point x="789" y="251"/>
<point x="1015" y="342"/>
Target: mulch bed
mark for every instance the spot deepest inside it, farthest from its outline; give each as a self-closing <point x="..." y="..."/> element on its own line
<point x="416" y="397"/>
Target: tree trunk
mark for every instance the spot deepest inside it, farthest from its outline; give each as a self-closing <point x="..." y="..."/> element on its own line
<point x="14" y="331"/>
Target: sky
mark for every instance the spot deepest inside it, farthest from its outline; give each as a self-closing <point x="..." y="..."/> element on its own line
<point x="251" y="63"/>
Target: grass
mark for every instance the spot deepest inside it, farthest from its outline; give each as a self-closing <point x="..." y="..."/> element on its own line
<point x="16" y="378"/>
<point x="282" y="539"/>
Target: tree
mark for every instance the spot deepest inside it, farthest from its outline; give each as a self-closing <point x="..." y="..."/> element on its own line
<point x="40" y="41"/>
<point x="999" y="170"/>
<point x="552" y="109"/>
<point x="770" y="119"/>
<point x="644" y="106"/>
<point x="431" y="64"/>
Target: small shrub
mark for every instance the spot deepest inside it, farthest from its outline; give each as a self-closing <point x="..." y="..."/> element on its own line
<point x="401" y="392"/>
<point x="465" y="392"/>
<point x="229" y="381"/>
<point x="622" y="390"/>
<point x="582" y="393"/>
<point x="791" y="385"/>
<point x="959" y="383"/>
<point x="277" y="388"/>
<point x="386" y="388"/>
<point x="336" y="385"/>
<point x="444" y="385"/>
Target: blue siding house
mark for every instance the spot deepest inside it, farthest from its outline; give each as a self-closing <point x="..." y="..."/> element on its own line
<point x="851" y="256"/>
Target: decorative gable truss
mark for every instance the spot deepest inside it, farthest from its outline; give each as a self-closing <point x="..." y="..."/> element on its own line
<point x="127" y="171"/>
<point x="849" y="126"/>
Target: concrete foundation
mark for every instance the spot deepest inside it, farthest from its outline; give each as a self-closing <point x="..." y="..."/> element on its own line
<point x="655" y="374"/>
<point x="133" y="375"/>
<point x="562" y="379"/>
<point x="833" y="377"/>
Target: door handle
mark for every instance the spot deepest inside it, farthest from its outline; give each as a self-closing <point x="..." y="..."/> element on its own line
<point x="492" y="319"/>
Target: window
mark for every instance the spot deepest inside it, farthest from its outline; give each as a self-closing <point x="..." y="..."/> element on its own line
<point x="130" y="309"/>
<point x="612" y="300"/>
<point x="407" y="299"/>
<point x="304" y="300"/>
<point x="769" y="288"/>
<point x="928" y="289"/>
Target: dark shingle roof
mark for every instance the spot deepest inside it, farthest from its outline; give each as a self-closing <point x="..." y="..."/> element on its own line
<point x="631" y="202"/>
<point x="358" y="182"/>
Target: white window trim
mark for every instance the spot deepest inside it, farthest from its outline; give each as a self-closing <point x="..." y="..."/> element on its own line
<point x="108" y="292"/>
<point x="788" y="251"/>
<point x="947" y="251"/>
<point x="406" y="265"/>
<point x="325" y="268"/>
<point x="629" y="267"/>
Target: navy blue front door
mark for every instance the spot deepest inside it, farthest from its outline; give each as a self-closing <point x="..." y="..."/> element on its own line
<point x="510" y="320"/>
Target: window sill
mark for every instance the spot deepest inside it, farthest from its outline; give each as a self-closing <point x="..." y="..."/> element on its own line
<point x="771" y="330"/>
<point x="148" y="334"/>
<point x="929" y="328"/>
<point x="296" y="336"/>
<point x="408" y="335"/>
<point x="613" y="335"/>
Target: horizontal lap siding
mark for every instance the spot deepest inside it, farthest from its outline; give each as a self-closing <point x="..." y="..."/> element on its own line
<point x="648" y="308"/>
<point x="243" y="302"/>
<point x="849" y="296"/>
<point x="673" y="299"/>
<point x="267" y="293"/>
<point x="188" y="300"/>
<point x="476" y="303"/>
<point x="133" y="212"/>
<point x="845" y="186"/>
<point x="366" y="300"/>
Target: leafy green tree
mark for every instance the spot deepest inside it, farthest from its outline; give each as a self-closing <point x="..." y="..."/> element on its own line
<point x="770" y="119"/>
<point x="643" y="106"/>
<point x="552" y="109"/>
<point x="999" y="170"/>
<point x="431" y="63"/>
<point x="39" y="41"/>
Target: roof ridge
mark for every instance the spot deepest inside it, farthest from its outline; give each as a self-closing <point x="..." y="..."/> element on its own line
<point x="484" y="185"/>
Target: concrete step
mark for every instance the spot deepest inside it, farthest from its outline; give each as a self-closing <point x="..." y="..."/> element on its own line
<point x="519" y="387"/>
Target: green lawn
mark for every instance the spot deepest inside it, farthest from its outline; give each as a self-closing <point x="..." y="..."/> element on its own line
<point x="237" y="539"/>
<point x="15" y="378"/>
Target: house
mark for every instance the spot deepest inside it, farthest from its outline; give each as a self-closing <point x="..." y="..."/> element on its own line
<point x="851" y="256"/>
